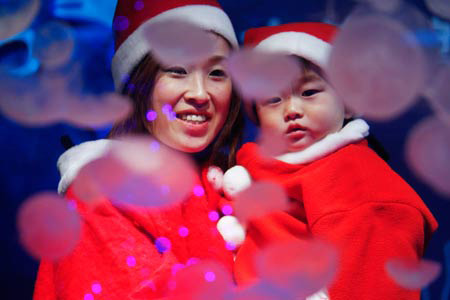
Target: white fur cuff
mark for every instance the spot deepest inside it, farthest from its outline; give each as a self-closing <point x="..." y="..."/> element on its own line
<point x="71" y="161"/>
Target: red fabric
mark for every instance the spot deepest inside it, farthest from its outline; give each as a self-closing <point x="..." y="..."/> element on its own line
<point x="152" y="8"/>
<point x="325" y="32"/>
<point x="353" y="199"/>
<point x="110" y="236"/>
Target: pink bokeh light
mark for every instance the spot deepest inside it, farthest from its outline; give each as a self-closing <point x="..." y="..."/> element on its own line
<point x="151" y="115"/>
<point x="183" y="231"/>
<point x="260" y="199"/>
<point x="199" y="191"/>
<point x="260" y="75"/>
<point x="413" y="275"/>
<point x="302" y="267"/>
<point x="179" y="42"/>
<point x="48" y="99"/>
<point x="15" y="21"/>
<point x="427" y="153"/>
<point x="48" y="228"/>
<point x="204" y="280"/>
<point x="54" y="44"/>
<point x="134" y="172"/>
<point x="213" y="215"/>
<point x="96" y="288"/>
<point x="378" y="75"/>
<point x="131" y="261"/>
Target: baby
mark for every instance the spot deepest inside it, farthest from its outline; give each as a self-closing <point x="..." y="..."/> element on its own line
<point x="342" y="190"/>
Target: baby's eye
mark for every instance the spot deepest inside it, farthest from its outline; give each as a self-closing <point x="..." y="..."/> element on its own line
<point x="310" y="92"/>
<point x="176" y="71"/>
<point x="273" y="100"/>
<point x="218" y="73"/>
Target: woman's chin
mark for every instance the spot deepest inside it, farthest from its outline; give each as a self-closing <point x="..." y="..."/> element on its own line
<point x="192" y="145"/>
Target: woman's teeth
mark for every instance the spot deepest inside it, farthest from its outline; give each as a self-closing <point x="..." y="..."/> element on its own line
<point x="193" y="118"/>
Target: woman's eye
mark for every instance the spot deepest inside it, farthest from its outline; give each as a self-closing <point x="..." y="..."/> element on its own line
<point x="176" y="71"/>
<point x="218" y="73"/>
<point x="310" y="92"/>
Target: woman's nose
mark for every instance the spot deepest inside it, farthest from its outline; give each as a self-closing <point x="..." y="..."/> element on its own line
<point x="293" y="109"/>
<point x="197" y="93"/>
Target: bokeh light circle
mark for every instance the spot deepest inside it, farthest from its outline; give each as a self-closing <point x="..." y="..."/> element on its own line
<point x="204" y="280"/>
<point x="48" y="228"/>
<point x="260" y="75"/>
<point x="413" y="275"/>
<point x="427" y="153"/>
<point x="134" y="172"/>
<point x="54" y="44"/>
<point x="439" y="7"/>
<point x="261" y="198"/>
<point x="302" y="267"/>
<point x="16" y="16"/>
<point x="377" y="66"/>
<point x="179" y="42"/>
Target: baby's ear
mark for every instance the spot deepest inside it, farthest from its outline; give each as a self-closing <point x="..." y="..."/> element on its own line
<point x="348" y="114"/>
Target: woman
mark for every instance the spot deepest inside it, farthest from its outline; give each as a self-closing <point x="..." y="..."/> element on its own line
<point x="116" y="257"/>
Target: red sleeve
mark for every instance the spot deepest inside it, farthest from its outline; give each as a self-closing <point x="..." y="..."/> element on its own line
<point x="112" y="253"/>
<point x="44" y="288"/>
<point x="371" y="215"/>
<point x="117" y="250"/>
<point x="353" y="199"/>
<point x="368" y="236"/>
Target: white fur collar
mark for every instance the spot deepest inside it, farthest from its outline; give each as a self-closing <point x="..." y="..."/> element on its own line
<point x="71" y="161"/>
<point x="353" y="132"/>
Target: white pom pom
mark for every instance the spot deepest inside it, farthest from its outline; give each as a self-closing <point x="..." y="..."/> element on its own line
<point x="231" y="230"/>
<point x="215" y="177"/>
<point x="236" y="180"/>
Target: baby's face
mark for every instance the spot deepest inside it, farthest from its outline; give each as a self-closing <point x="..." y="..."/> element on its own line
<point x="303" y="116"/>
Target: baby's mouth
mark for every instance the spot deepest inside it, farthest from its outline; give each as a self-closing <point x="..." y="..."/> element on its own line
<point x="295" y="128"/>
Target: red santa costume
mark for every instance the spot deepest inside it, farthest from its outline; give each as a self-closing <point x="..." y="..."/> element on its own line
<point x="342" y="190"/>
<point x="117" y="253"/>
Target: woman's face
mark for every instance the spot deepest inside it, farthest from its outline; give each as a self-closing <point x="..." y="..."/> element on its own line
<point x="192" y="101"/>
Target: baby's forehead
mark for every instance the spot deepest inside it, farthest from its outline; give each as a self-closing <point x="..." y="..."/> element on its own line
<point x="310" y="76"/>
<point x="310" y="71"/>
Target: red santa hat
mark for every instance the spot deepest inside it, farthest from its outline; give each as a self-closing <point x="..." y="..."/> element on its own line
<point x="133" y="17"/>
<point x="310" y="40"/>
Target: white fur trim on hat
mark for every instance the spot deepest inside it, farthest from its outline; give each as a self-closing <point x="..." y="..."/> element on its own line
<point x="354" y="131"/>
<point x="71" y="161"/>
<point x="136" y="46"/>
<point x="300" y="44"/>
